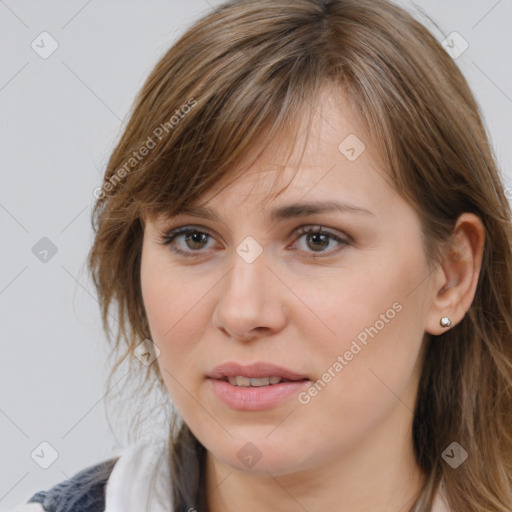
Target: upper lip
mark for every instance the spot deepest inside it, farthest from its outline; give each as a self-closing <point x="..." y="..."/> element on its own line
<point x="254" y="370"/>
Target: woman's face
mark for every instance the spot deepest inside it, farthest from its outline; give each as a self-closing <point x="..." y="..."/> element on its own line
<point x="252" y="298"/>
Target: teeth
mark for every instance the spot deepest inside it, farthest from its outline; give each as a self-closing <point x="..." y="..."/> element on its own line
<point x="254" y="382"/>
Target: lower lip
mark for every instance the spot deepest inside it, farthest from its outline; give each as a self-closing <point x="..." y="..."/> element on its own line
<point x="256" y="398"/>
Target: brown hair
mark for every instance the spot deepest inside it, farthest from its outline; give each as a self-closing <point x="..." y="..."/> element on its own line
<point x="250" y="69"/>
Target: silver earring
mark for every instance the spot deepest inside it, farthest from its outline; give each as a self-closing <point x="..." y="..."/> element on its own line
<point x="445" y="322"/>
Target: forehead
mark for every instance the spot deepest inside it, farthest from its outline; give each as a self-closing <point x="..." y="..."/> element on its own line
<point x="329" y="155"/>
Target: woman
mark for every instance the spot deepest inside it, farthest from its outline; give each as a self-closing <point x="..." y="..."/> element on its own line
<point x="308" y="242"/>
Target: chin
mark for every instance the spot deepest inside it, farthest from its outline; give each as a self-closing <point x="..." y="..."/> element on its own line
<point x="260" y="456"/>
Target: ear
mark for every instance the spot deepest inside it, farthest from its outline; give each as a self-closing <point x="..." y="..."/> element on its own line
<point x="456" y="278"/>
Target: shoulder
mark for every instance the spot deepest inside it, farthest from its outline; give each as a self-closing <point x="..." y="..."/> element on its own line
<point x="83" y="492"/>
<point x="137" y="480"/>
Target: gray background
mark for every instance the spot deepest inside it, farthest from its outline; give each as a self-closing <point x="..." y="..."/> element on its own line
<point x="59" y="119"/>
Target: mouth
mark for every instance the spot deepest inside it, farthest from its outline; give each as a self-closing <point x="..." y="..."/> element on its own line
<point x="254" y="372"/>
<point x="255" y="382"/>
<point x="255" y="387"/>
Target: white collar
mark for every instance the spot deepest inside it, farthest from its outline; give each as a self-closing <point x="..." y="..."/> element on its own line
<point x="440" y="504"/>
<point x="141" y="480"/>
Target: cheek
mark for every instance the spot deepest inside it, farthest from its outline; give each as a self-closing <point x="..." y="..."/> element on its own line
<point x="176" y="313"/>
<point x="369" y="299"/>
<point x="166" y="307"/>
<point x="165" y="303"/>
<point x="167" y="295"/>
<point x="367" y="362"/>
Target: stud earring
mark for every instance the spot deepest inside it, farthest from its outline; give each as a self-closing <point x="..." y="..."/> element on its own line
<point x="445" y="322"/>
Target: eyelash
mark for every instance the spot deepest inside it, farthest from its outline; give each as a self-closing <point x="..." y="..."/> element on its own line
<point x="169" y="237"/>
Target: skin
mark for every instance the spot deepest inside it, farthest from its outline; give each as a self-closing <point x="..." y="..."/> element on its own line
<point x="350" y="448"/>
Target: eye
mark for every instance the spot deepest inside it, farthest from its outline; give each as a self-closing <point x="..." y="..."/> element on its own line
<point x="317" y="239"/>
<point x="193" y="240"/>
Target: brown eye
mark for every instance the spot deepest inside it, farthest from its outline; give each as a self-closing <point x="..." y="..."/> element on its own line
<point x="196" y="240"/>
<point x="192" y="240"/>
<point x="317" y="240"/>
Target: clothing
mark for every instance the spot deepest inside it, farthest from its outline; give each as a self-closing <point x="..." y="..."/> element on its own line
<point x="440" y="504"/>
<point x="130" y="486"/>
<point x="139" y="482"/>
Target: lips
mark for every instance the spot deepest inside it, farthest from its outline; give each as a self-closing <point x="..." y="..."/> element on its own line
<point x="254" y="374"/>
<point x="255" y="387"/>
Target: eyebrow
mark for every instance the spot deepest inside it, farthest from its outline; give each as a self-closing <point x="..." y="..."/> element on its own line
<point x="285" y="212"/>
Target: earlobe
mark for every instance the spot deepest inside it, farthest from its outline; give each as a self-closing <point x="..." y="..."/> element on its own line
<point x="454" y="285"/>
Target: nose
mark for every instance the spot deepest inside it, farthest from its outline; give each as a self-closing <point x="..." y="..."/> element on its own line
<point x="251" y="301"/>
